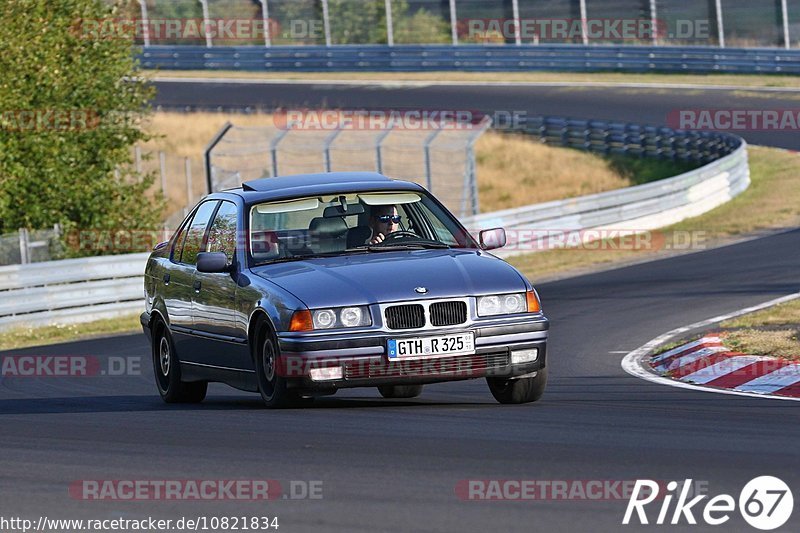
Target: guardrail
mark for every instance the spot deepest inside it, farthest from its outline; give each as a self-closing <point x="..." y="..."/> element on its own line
<point x="77" y="290"/>
<point x="633" y="209"/>
<point x="71" y="290"/>
<point x="482" y="58"/>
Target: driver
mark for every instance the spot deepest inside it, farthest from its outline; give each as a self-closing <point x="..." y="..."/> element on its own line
<point x="383" y="221"/>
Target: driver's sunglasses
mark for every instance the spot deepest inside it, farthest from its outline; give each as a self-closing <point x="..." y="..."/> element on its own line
<point x="385" y="219"/>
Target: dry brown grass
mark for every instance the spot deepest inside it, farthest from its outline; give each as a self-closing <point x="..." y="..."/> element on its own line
<point x="745" y="80"/>
<point x="788" y="313"/>
<point x="514" y="170"/>
<point x="780" y="343"/>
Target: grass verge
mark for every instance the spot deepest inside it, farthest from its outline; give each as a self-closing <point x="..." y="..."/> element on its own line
<point x="773" y="332"/>
<point x="771" y="202"/>
<point x="740" y="80"/>
<point x="23" y="337"/>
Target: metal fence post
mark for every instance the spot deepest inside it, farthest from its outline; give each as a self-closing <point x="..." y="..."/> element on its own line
<point x="378" y="145"/>
<point x="24" y="256"/>
<point x="720" y="24"/>
<point x="145" y="23"/>
<point x="265" y="16"/>
<point x="162" y="167"/>
<point x="453" y="22"/>
<point x="137" y="158"/>
<point x="189" y="193"/>
<point x="584" y="23"/>
<point x="389" y="24"/>
<point x="785" y="18"/>
<point x="326" y="22"/>
<point x="654" y="20"/>
<point x="327" y="149"/>
<point x="273" y="149"/>
<point x="206" y="23"/>
<point x="217" y="138"/>
<point x="517" y="23"/>
<point x="427" y="147"/>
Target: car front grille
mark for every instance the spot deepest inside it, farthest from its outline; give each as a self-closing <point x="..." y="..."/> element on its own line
<point x="405" y="316"/>
<point x="448" y="313"/>
<point x="463" y="365"/>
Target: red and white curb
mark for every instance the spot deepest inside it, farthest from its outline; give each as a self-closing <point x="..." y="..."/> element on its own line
<point x="706" y="365"/>
<point x="708" y="362"/>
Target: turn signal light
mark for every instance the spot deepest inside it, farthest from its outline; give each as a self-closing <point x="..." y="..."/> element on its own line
<point x="534" y="306"/>
<point x="301" y="321"/>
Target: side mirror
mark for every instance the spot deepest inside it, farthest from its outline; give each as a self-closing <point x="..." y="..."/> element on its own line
<point x="212" y="262"/>
<point x="491" y="239"/>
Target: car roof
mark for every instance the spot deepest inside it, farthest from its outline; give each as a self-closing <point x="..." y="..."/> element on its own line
<point x="283" y="187"/>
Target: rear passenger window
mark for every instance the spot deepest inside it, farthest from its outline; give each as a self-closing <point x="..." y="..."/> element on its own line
<point x="222" y="235"/>
<point x="180" y="238"/>
<point x="197" y="230"/>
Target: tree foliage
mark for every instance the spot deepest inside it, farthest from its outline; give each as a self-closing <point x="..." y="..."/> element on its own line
<point x="71" y="104"/>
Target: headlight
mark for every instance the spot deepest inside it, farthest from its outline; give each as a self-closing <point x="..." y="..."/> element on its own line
<point x="342" y="317"/>
<point x="508" y="304"/>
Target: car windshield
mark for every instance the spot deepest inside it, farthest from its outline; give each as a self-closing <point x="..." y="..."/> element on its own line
<point x="304" y="228"/>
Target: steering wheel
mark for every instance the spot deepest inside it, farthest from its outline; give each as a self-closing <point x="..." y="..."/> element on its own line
<point x="400" y="234"/>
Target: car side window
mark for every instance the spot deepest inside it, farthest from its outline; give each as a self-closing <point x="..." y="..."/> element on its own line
<point x="222" y="235"/>
<point x="196" y="233"/>
<point x="180" y="238"/>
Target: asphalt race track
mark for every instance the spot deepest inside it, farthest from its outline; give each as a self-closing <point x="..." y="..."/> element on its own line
<point x="643" y="106"/>
<point x="394" y="465"/>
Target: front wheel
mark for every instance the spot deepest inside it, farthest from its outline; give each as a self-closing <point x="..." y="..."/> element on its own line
<point x="523" y="390"/>
<point x="273" y="388"/>
<point x="167" y="368"/>
<point x="400" y="391"/>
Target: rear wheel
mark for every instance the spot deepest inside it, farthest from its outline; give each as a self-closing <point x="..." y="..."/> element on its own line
<point x="167" y="369"/>
<point x="400" y="391"/>
<point x="523" y="390"/>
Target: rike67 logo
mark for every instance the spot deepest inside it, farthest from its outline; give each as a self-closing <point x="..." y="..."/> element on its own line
<point x="765" y="503"/>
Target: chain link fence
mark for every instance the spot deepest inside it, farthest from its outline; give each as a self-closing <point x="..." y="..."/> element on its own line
<point x="441" y="159"/>
<point x="211" y="23"/>
<point x="31" y="246"/>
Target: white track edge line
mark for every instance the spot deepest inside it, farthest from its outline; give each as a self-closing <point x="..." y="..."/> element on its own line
<point x="635" y="363"/>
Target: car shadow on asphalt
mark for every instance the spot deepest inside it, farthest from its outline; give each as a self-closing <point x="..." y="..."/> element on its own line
<point x="140" y="403"/>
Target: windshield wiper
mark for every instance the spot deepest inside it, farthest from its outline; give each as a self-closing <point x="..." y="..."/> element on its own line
<point x="408" y="246"/>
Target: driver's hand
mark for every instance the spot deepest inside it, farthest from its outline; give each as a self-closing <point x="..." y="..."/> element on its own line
<point x="377" y="238"/>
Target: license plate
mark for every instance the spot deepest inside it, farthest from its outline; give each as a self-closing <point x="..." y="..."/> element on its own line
<point x="457" y="344"/>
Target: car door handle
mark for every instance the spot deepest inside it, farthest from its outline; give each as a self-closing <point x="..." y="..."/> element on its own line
<point x="166" y="278"/>
<point x="197" y="285"/>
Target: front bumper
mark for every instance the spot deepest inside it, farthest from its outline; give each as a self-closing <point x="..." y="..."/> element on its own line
<point x="144" y="319"/>
<point x="364" y="361"/>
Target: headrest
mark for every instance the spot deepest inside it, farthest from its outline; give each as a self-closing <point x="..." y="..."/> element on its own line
<point x="328" y="227"/>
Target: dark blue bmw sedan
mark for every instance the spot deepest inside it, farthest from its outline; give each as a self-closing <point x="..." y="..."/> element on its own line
<point x="295" y="287"/>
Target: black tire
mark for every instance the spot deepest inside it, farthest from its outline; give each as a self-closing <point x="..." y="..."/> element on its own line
<point x="273" y="388"/>
<point x="524" y="390"/>
<point x="167" y="370"/>
<point x="400" y="391"/>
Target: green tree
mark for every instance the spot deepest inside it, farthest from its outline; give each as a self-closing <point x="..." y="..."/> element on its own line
<point x="364" y="22"/>
<point x="71" y="102"/>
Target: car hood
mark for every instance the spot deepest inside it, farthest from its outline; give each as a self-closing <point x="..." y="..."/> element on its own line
<point x="359" y="279"/>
